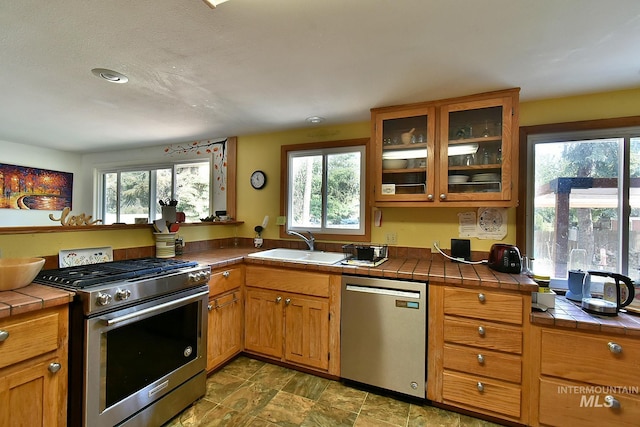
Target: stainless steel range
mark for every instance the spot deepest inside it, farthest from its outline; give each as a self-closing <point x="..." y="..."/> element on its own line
<point x="137" y="339"/>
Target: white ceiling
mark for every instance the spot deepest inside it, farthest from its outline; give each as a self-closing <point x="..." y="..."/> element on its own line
<point x="252" y="66"/>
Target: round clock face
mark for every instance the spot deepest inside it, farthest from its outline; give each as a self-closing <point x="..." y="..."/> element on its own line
<point x="258" y="180"/>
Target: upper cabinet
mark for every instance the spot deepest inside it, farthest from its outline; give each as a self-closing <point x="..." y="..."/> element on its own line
<point x="454" y="152"/>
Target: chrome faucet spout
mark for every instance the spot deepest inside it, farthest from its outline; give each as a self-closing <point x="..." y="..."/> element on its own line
<point x="309" y="241"/>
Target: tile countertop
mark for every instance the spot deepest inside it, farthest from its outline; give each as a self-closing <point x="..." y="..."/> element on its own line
<point x="568" y="314"/>
<point x="31" y="298"/>
<point x="437" y="270"/>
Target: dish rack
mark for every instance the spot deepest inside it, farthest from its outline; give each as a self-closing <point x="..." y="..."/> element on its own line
<point x="365" y="255"/>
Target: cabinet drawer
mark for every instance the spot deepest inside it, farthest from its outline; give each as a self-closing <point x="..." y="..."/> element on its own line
<point x="482" y="334"/>
<point x="564" y="403"/>
<point x="28" y="337"/>
<point x="480" y="304"/>
<point x="225" y="279"/>
<point x="487" y="363"/>
<point x="487" y="395"/>
<point x="296" y="281"/>
<point x="590" y="358"/>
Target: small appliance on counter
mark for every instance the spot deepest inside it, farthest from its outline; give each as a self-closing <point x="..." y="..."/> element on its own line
<point x="614" y="298"/>
<point x="505" y="258"/>
<point x="575" y="284"/>
<point x="365" y="255"/>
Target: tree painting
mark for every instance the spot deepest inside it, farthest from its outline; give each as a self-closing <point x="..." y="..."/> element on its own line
<point x="33" y="188"/>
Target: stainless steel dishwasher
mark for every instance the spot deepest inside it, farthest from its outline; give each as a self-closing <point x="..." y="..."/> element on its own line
<point x="384" y="333"/>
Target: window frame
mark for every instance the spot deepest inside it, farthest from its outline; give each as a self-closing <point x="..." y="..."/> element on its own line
<point x="365" y="187"/>
<point x="152" y="169"/>
<point x="523" y="233"/>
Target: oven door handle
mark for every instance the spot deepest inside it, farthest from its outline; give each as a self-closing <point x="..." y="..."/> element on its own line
<point x="160" y="307"/>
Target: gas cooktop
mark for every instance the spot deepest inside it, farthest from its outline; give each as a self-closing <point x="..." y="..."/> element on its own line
<point x="85" y="276"/>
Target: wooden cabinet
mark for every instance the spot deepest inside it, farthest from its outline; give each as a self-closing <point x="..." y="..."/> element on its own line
<point x="33" y="368"/>
<point x="587" y="379"/>
<point x="461" y="151"/>
<point x="225" y="320"/>
<point x="477" y="359"/>
<point x="293" y="316"/>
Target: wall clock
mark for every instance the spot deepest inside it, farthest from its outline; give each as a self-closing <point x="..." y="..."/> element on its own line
<point x="258" y="180"/>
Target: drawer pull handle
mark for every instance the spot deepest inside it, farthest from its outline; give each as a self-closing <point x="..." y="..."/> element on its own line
<point x="614" y="347"/>
<point x="481" y="331"/>
<point x="481" y="297"/>
<point x="225" y="274"/>
<point x="278" y="299"/>
<point x="287" y="301"/>
<point x="54" y="367"/>
<point x="480" y="387"/>
<point x="443" y="196"/>
<point x="218" y="306"/>
<point x="611" y="401"/>
<point x="209" y="307"/>
<point x="3" y="335"/>
<point x="481" y="359"/>
<point x="430" y="197"/>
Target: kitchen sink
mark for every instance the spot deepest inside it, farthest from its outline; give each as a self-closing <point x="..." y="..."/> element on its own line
<point x="299" y="255"/>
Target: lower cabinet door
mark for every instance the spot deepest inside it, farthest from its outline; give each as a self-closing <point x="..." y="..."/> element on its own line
<point x="485" y="395"/>
<point x="31" y="396"/>
<point x="307" y="331"/>
<point x="263" y="322"/>
<point x="225" y="328"/>
<point x="565" y="403"/>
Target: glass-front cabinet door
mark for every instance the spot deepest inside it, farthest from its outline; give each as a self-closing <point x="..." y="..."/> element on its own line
<point x="404" y="154"/>
<point x="476" y="150"/>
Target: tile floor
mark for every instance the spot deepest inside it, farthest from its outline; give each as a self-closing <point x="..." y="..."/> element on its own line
<point x="248" y="392"/>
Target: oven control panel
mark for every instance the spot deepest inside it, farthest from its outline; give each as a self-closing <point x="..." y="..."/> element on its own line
<point x="112" y="296"/>
<point x="199" y="277"/>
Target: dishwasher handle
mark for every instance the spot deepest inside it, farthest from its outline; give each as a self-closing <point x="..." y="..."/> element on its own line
<point x="383" y="291"/>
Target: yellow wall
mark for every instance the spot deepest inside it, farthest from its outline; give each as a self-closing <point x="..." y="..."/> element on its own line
<point x="414" y="227"/>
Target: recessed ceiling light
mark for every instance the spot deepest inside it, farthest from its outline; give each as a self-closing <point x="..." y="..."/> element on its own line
<point x="315" y="119"/>
<point x="213" y="3"/>
<point x="110" y="75"/>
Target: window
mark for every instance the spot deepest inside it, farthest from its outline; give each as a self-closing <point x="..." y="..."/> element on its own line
<point x="583" y="201"/>
<point x="135" y="192"/>
<point x="325" y="191"/>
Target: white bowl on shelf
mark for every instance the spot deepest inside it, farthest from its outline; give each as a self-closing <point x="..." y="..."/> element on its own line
<point x="394" y="163"/>
<point x="458" y="179"/>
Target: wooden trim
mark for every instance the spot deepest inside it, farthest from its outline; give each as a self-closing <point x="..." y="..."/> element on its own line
<point x="232" y="189"/>
<point x="521" y="211"/>
<point x="60" y="228"/>
<point x="284" y="189"/>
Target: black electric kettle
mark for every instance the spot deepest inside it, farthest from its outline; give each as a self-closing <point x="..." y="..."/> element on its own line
<point x="614" y="296"/>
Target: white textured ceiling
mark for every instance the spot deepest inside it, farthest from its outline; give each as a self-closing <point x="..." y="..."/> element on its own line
<point x="253" y="66"/>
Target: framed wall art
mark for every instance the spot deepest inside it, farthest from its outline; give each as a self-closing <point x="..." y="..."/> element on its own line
<point x="33" y="188"/>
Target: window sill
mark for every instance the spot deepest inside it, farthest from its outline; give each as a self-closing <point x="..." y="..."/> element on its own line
<point x="61" y="228"/>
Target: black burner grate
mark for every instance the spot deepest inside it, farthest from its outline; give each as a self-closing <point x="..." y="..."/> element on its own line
<point x="84" y="276"/>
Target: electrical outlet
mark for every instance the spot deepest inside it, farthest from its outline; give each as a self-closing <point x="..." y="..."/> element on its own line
<point x="392" y="238"/>
<point x="434" y="246"/>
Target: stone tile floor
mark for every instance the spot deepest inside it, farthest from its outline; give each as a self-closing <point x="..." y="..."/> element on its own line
<point x="248" y="392"/>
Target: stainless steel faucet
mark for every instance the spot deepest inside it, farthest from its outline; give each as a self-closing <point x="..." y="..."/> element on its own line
<point x="309" y="241"/>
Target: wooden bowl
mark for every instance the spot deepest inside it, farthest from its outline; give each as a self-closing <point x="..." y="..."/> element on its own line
<point x="18" y="272"/>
